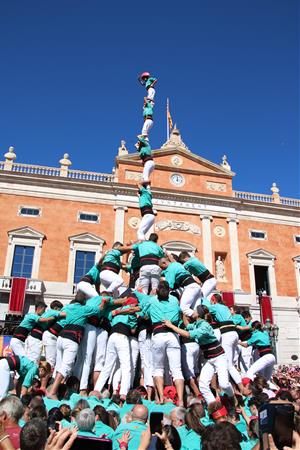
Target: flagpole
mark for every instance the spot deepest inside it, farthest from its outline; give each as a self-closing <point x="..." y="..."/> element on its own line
<point x="168" y="128"/>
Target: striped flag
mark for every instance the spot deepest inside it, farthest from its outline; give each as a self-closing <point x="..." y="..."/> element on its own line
<point x="169" y="120"/>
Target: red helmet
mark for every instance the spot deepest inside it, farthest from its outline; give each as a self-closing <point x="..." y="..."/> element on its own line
<point x="143" y="76"/>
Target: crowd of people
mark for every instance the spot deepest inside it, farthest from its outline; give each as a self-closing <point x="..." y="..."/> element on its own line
<point x="159" y="362"/>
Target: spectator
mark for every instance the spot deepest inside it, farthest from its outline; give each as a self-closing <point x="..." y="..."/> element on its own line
<point x="85" y="421"/>
<point x="11" y="411"/>
<point x="33" y="435"/>
<point x="221" y="436"/>
<point x="137" y="425"/>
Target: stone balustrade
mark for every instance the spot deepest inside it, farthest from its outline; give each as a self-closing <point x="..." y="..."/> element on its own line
<point x="266" y="198"/>
<point x="35" y="170"/>
<point x="35" y="287"/>
<point x="90" y="176"/>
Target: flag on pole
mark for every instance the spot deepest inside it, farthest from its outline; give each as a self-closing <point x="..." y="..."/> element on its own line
<point x="169" y="120"/>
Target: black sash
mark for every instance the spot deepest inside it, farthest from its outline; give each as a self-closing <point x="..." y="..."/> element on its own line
<point x="146" y="210"/>
<point x="264" y="350"/>
<point x="147" y="260"/>
<point x="13" y="362"/>
<point x="72" y="332"/>
<point x="227" y="326"/>
<point x="205" y="276"/>
<point x="212" y="350"/>
<point x="110" y="266"/>
<point x="121" y="328"/>
<point x="21" y="333"/>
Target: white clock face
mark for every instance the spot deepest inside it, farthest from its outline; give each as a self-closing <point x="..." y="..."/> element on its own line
<point x="177" y="179"/>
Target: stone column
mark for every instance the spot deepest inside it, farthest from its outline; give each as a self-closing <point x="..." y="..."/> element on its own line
<point x="119" y="223"/>
<point x="206" y="239"/>
<point x="234" y="253"/>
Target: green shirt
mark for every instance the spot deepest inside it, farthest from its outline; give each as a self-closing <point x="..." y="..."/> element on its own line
<point x="201" y="332"/>
<point x="221" y="312"/>
<point x="174" y="273"/>
<point x="194" y="266"/>
<point x="259" y="339"/>
<point x="135" y="428"/>
<point x="190" y="441"/>
<point x="148" y="248"/>
<point x="127" y="319"/>
<point x="238" y="319"/>
<point x="145" y="148"/>
<point x="150" y="81"/>
<point x="113" y="256"/>
<point x="77" y="314"/>
<point x="94" y="274"/>
<point x="47" y="314"/>
<point x="159" y="310"/>
<point x="145" y="197"/>
<point x="28" y="370"/>
<point x="29" y="321"/>
<point x="147" y="109"/>
<point x="101" y="428"/>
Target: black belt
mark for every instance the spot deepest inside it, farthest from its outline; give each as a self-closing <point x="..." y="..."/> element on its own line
<point x="160" y="328"/>
<point x="21" y="333"/>
<point x="214" y="325"/>
<point x="73" y="333"/>
<point x="121" y="328"/>
<point x="37" y="333"/>
<point x="55" y="329"/>
<point x="205" y="276"/>
<point x="265" y="350"/>
<point x="87" y="279"/>
<point x="110" y="266"/>
<point x="149" y="260"/>
<point x="227" y="326"/>
<point x="212" y="350"/>
<point x="148" y="117"/>
<point x="13" y="362"/>
<point x="184" y="281"/>
<point x="146" y="210"/>
<point x="95" y="321"/>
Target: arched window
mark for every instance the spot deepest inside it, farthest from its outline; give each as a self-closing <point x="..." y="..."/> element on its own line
<point x="178" y="246"/>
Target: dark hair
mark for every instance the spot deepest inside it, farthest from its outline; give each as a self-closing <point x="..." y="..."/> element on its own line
<point x="218" y="298"/>
<point x="256" y="325"/>
<point x="236" y="309"/>
<point x="102" y="414"/>
<point x="114" y="419"/>
<point x="40" y="304"/>
<point x="26" y="399"/>
<point x="38" y="412"/>
<point x="182" y="256"/>
<point x="56" y="304"/>
<point x="62" y="391"/>
<point x="173" y="437"/>
<point x="284" y="395"/>
<point x="133" y="397"/>
<point x="254" y="427"/>
<point x="246" y="314"/>
<point x="36" y="401"/>
<point x="192" y="418"/>
<point x="33" y="435"/>
<point x="54" y="415"/>
<point x="175" y="257"/>
<point x="117" y="244"/>
<point x="153" y="237"/>
<point x="163" y="290"/>
<point x="79" y="298"/>
<point x="221" y="436"/>
<point x="72" y="381"/>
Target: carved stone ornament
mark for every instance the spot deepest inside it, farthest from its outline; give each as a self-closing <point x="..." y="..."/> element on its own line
<point x="135" y="176"/>
<point x="219" y="231"/>
<point x="166" y="225"/>
<point x="176" y="160"/>
<point x="212" y="186"/>
<point x="134" y="222"/>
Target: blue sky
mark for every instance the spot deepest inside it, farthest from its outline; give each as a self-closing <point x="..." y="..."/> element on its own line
<point x="68" y="82"/>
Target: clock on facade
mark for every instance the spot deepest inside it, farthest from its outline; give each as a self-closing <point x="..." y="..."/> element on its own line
<point x="177" y="179"/>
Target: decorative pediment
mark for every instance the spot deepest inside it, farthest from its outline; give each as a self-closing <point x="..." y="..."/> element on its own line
<point x="26" y="233"/>
<point x="261" y="254"/>
<point x="87" y="238"/>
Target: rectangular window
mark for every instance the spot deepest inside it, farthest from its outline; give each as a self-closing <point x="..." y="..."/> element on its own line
<point x="22" y="261"/>
<point x="258" y="234"/>
<point x="88" y="217"/>
<point x="83" y="263"/>
<point x="24" y="211"/>
<point x="297" y="238"/>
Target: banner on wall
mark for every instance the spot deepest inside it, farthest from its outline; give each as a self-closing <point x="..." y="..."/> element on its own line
<point x="5" y="349"/>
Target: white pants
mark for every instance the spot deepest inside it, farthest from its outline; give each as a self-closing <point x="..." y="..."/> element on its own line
<point x="148" y="124"/>
<point x="166" y="345"/>
<point x="145" y="225"/>
<point x="84" y="357"/>
<point x="264" y="366"/>
<point x="151" y="94"/>
<point x="118" y="347"/>
<point x="218" y="365"/>
<point x="4" y="378"/>
<point x="229" y="343"/>
<point x="134" y="354"/>
<point x="87" y="289"/>
<point x="217" y="334"/>
<point x="148" y="169"/>
<point x="247" y="357"/>
<point x="149" y="277"/>
<point x="66" y="354"/>
<point x="33" y="348"/>
<point x="189" y="359"/>
<point x="146" y="357"/>
<point x="190" y="295"/>
<point x="112" y="282"/>
<point x="208" y="286"/>
<point x="101" y="343"/>
<point x="17" y="346"/>
<point x="50" y="342"/>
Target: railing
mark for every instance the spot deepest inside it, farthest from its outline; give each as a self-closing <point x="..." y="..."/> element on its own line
<point x="266" y="198"/>
<point x="32" y="286"/>
<point x="90" y="176"/>
<point x="2" y="164"/>
<point x="36" y="170"/>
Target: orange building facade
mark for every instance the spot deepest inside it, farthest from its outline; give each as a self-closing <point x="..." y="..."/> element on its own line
<point x="65" y="217"/>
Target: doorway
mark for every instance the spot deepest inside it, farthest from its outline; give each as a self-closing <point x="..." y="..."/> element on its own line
<point x="261" y="275"/>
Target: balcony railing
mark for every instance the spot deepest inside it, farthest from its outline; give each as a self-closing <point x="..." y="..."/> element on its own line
<point x="33" y="287"/>
<point x="267" y="198"/>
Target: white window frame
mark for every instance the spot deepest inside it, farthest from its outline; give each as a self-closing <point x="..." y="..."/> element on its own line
<point x="88" y="221"/>
<point x="29" y="207"/>
<point x="28" y="237"/>
<point x="261" y="257"/>
<point x="296" y="235"/>
<point x="179" y="246"/>
<point x="87" y="242"/>
<point x="258" y="238"/>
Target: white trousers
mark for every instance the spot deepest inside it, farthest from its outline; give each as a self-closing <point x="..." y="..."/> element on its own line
<point x="166" y="345"/>
<point x="87" y="289"/>
<point x="149" y="277"/>
<point x="4" y="378"/>
<point x="50" y="342"/>
<point x="146" y="357"/>
<point x="247" y="357"/>
<point x="101" y="343"/>
<point x="134" y="354"/>
<point x="17" y="346"/>
<point x="148" y="169"/>
<point x="217" y="334"/>
<point x="214" y="365"/>
<point x="208" y="286"/>
<point x="145" y="225"/>
<point x="148" y="124"/>
<point x="112" y="282"/>
<point x="264" y="366"/>
<point x="118" y="347"/>
<point x="66" y="354"/>
<point x="189" y="359"/>
<point x="33" y="348"/>
<point x="151" y="93"/>
<point x="82" y="367"/>
<point x="229" y="343"/>
<point x="190" y="295"/>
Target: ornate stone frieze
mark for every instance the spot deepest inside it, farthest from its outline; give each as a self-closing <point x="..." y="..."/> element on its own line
<point x="166" y="225"/>
<point x="218" y="187"/>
